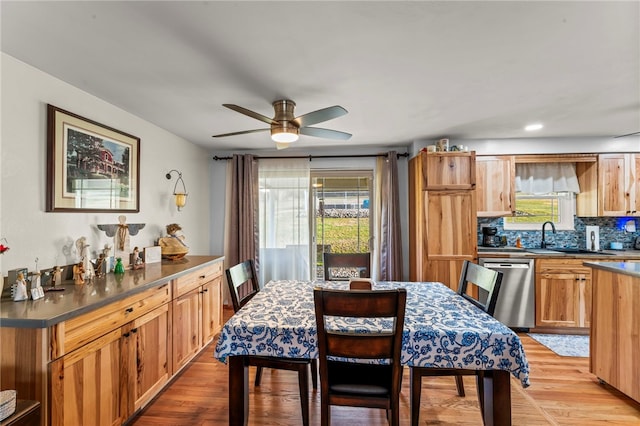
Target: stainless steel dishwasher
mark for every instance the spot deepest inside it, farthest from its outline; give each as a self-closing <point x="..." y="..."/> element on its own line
<point x="516" y="301"/>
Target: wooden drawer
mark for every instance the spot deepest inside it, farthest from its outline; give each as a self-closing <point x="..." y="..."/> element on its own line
<point x="562" y="266"/>
<point x="76" y="332"/>
<point x="193" y="280"/>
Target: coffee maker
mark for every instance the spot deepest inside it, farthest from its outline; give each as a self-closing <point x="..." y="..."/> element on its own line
<point x="490" y="237"/>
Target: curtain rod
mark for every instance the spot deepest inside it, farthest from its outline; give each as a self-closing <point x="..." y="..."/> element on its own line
<point x="311" y="157"/>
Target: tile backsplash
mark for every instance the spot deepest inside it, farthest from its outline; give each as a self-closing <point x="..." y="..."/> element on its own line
<point x="612" y="230"/>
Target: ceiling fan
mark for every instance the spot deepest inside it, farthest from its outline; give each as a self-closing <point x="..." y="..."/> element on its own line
<point x="285" y="127"/>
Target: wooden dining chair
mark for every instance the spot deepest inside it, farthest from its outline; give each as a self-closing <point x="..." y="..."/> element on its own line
<point x="243" y="286"/>
<point x="356" y="382"/>
<point x="485" y="295"/>
<point x="360" y="284"/>
<point x="335" y="262"/>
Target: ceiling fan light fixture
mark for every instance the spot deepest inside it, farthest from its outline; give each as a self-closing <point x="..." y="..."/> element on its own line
<point x="284" y="135"/>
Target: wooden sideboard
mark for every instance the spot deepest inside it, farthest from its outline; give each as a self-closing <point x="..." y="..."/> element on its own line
<point x="96" y="354"/>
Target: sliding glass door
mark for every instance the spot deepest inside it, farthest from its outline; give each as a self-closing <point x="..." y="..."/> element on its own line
<point x="341" y="221"/>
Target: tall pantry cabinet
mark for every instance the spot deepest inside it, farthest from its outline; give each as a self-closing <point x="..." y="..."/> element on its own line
<point x="442" y="215"/>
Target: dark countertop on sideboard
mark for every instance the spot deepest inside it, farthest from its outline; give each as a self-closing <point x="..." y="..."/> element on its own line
<point x="624" y="268"/>
<point x="58" y="306"/>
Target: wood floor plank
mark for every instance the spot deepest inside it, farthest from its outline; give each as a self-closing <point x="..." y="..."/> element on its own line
<point x="562" y="393"/>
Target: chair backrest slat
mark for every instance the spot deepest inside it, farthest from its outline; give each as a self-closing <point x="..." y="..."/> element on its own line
<point x="243" y="283"/>
<point x="488" y="282"/>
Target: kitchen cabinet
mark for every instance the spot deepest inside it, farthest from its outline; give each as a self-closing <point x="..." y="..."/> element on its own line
<point x="103" y="380"/>
<point x="495" y="185"/>
<point x="619" y="185"/>
<point x="197" y="312"/>
<point x="563" y="293"/>
<point x="442" y="215"/>
<point x="615" y="343"/>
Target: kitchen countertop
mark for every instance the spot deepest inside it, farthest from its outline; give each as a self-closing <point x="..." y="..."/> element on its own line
<point x="624" y="268"/>
<point x="533" y="253"/>
<point x="75" y="300"/>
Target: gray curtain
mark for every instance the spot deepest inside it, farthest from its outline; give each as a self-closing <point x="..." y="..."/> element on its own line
<point x="390" y="252"/>
<point x="242" y="211"/>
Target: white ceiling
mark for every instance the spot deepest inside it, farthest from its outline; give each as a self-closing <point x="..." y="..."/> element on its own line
<point x="405" y="71"/>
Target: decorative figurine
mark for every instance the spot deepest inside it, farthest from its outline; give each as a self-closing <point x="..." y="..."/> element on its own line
<point x="56" y="278"/>
<point x="20" y="288"/>
<point x="121" y="233"/>
<point x="85" y="258"/>
<point x="100" y="265"/>
<point x="119" y="268"/>
<point x="173" y="246"/>
<point x="136" y="260"/>
<point x="78" y="273"/>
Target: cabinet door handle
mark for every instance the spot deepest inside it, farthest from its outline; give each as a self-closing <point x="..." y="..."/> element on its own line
<point x="128" y="310"/>
<point x="205" y="290"/>
<point x="135" y="330"/>
<point x="126" y="334"/>
<point x="202" y="277"/>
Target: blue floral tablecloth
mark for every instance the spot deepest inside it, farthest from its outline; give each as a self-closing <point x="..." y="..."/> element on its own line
<point x="441" y="329"/>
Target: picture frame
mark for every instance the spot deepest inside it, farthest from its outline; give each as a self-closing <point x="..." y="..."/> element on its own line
<point x="90" y="167"/>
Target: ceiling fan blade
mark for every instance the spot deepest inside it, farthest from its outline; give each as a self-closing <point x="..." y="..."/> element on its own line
<point x="320" y="115"/>
<point x="244" y="132"/>
<point x="250" y="113"/>
<point x="324" y="133"/>
<point x="628" y="134"/>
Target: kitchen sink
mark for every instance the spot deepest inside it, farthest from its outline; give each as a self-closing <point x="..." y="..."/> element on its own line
<point x="572" y="250"/>
<point x="568" y="250"/>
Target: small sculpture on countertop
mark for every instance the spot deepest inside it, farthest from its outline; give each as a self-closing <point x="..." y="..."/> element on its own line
<point x="136" y="260"/>
<point x="20" y="288"/>
<point x="78" y="273"/>
<point x="85" y="258"/>
<point x="173" y="245"/>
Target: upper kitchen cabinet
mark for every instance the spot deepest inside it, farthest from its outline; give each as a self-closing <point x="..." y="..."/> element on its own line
<point x="495" y="177"/>
<point x="442" y="215"/>
<point x="447" y="170"/>
<point x="619" y="185"/>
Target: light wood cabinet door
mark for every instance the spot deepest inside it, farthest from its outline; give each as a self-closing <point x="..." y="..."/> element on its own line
<point x="448" y="170"/>
<point x="495" y="189"/>
<point x="563" y="293"/>
<point x="186" y="328"/>
<point x="559" y="300"/>
<point x="85" y="384"/>
<point x="444" y="271"/>
<point x="619" y="185"/>
<point x="147" y="354"/>
<point x="211" y="310"/>
<point x="450" y="226"/>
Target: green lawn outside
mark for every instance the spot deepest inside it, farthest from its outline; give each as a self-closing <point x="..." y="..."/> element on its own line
<point x="343" y="234"/>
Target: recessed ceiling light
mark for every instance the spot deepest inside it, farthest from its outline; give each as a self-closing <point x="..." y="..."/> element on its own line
<point x="533" y="127"/>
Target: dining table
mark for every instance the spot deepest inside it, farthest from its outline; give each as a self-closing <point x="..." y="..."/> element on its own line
<point x="441" y="330"/>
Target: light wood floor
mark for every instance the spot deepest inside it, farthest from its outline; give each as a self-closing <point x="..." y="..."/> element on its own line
<point x="562" y="392"/>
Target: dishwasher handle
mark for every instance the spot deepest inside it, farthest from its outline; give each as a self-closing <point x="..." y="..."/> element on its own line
<point x="506" y="265"/>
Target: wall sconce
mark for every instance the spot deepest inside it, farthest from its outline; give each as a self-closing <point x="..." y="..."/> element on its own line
<point x="180" y="196"/>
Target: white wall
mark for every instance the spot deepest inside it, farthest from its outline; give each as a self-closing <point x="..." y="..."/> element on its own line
<point x="31" y="232"/>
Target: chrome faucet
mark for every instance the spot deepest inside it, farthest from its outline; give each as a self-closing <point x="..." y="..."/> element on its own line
<point x="543" y="244"/>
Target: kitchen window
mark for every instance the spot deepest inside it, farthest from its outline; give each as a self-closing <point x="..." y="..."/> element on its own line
<point x="544" y="192"/>
<point x="532" y="210"/>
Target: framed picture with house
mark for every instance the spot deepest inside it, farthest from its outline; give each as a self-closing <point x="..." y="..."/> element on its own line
<point x="90" y="167"/>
